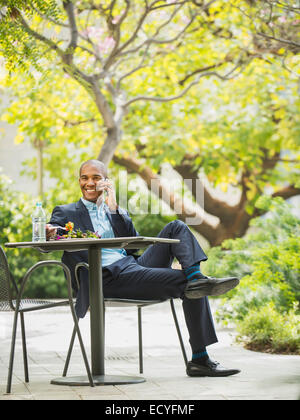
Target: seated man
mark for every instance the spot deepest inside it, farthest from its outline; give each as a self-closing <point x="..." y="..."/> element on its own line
<point x="148" y="276"/>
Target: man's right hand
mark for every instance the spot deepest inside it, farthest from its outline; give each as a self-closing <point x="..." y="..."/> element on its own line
<point x="50" y="232"/>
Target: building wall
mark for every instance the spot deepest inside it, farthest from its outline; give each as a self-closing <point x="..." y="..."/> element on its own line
<point x="11" y="157"/>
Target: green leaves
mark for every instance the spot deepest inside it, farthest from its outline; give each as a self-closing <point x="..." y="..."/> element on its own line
<point x="174" y="80"/>
<point x="16" y="226"/>
<point x="267" y="262"/>
<point x="268" y="330"/>
<point x="20" y="49"/>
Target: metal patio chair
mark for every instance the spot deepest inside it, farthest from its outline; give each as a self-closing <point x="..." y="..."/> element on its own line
<point x="115" y="302"/>
<point x="11" y="300"/>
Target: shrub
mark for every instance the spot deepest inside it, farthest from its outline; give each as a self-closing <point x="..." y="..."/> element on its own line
<point x="268" y="330"/>
<point x="267" y="262"/>
<point x="15" y="226"/>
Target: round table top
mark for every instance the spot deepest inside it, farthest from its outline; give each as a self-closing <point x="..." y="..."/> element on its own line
<point x="78" y="244"/>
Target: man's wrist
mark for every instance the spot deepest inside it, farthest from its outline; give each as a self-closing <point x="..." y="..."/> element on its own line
<point x="114" y="208"/>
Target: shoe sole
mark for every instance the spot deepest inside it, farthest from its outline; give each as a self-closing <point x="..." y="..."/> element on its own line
<point x="214" y="375"/>
<point x="212" y="290"/>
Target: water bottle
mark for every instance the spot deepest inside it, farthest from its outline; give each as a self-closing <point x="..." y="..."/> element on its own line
<point x="39" y="224"/>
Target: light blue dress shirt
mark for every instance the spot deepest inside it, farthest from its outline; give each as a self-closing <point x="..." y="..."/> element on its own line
<point x="102" y="226"/>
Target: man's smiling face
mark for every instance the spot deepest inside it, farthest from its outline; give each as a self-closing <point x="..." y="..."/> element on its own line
<point x="90" y="175"/>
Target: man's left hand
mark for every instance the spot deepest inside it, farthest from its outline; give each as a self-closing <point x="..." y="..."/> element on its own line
<point x="110" y="200"/>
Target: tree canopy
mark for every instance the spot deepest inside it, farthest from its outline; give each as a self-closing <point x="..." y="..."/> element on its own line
<point x="209" y="87"/>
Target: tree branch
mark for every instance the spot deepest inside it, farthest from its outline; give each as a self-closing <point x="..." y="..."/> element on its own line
<point x="88" y="82"/>
<point x="81" y="77"/>
<point x="38" y="36"/>
<point x="49" y="18"/>
<point x="115" y="28"/>
<point x="287" y="192"/>
<point x="152" y="7"/>
<point x="69" y="8"/>
<point x="188" y="76"/>
<point x="213" y="234"/>
<point x="184" y="91"/>
<point x="67" y="123"/>
<point x="148" y="9"/>
<point x="212" y="205"/>
<point x="284" y="41"/>
<point x="154" y="185"/>
<point x="135" y="32"/>
<point x="134" y="70"/>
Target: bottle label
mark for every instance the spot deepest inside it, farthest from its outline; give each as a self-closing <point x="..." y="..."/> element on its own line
<point x="38" y="231"/>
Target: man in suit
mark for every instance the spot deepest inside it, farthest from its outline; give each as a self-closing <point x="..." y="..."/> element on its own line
<point x="148" y="276"/>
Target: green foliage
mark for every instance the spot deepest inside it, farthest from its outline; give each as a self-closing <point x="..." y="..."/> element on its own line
<point x="267" y="262"/>
<point x="58" y="110"/>
<point x="267" y="329"/>
<point x="151" y="224"/>
<point x="15" y="226"/>
<point x="17" y="44"/>
<point x="229" y="127"/>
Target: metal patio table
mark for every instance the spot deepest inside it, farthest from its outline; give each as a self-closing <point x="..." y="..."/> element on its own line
<point x="94" y="246"/>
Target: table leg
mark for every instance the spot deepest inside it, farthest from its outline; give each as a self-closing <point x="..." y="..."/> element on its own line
<point x="96" y="311"/>
<point x="97" y="332"/>
<point x="97" y="324"/>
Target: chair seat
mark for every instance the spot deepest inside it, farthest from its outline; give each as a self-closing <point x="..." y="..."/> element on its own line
<point x="118" y="302"/>
<point x="30" y="304"/>
<point x="4" y="306"/>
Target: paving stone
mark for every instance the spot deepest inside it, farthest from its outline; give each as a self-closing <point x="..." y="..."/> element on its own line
<point x="263" y="376"/>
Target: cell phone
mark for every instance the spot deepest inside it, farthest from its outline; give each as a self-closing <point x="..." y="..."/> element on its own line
<point x="105" y="191"/>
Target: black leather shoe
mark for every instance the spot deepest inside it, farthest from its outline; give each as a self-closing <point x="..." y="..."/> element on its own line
<point x="210" y="286"/>
<point x="209" y="368"/>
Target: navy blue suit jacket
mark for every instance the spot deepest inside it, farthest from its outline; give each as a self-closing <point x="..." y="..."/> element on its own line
<point x="78" y="214"/>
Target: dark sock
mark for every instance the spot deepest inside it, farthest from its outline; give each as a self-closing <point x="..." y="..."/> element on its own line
<point x="193" y="273"/>
<point x="200" y="356"/>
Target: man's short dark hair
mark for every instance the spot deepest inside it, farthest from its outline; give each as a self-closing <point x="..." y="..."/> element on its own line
<point x="94" y="162"/>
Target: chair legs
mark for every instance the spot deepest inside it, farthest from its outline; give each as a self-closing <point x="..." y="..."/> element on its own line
<point x="25" y="360"/>
<point x="87" y="366"/>
<point x="76" y="330"/>
<point x="178" y="332"/>
<point x="140" y="345"/>
<point x="140" y="338"/>
<point x="69" y="352"/>
<point x="26" y="372"/>
<point x="15" y="322"/>
<point x="12" y="353"/>
<point x="71" y="345"/>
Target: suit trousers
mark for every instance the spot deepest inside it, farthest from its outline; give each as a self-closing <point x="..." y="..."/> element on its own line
<point x="150" y="276"/>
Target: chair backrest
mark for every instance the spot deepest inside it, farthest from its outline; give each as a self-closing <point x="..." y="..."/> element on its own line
<point x="5" y="283"/>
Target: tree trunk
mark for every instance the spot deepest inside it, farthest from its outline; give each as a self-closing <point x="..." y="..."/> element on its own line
<point x="111" y="143"/>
